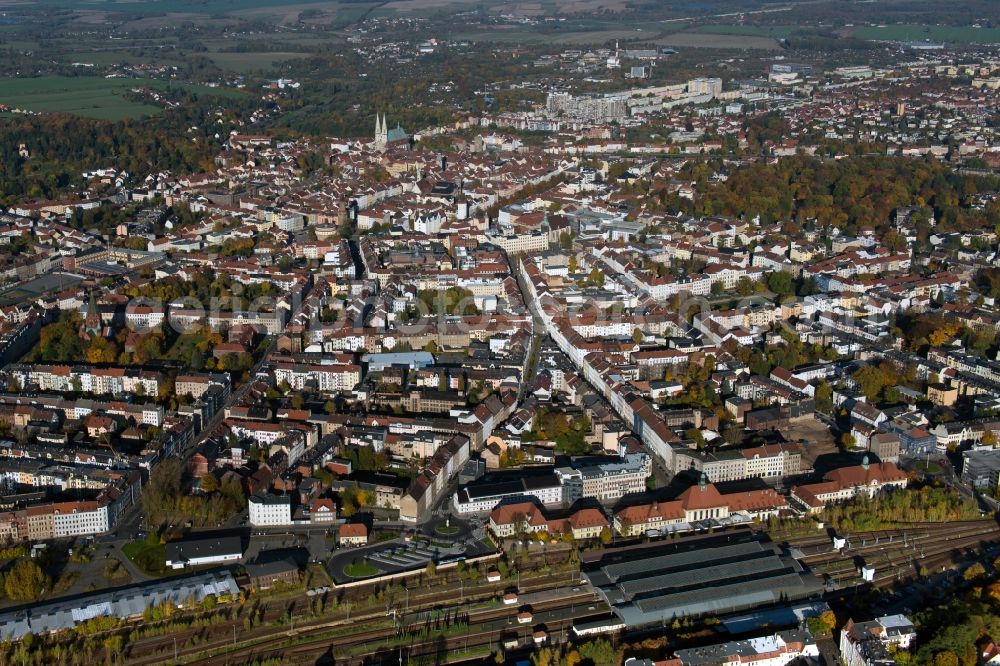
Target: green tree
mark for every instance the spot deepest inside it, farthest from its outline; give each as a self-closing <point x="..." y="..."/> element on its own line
<point x="599" y="652"/>
<point x="824" y="397"/>
<point x="946" y="658"/>
<point x="975" y="572"/>
<point x="595" y="278"/>
<point x="781" y="283"/>
<point x="871" y="380"/>
<point x="26" y="581"/>
<point x="209" y="483"/>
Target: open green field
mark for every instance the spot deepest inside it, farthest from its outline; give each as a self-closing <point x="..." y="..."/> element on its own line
<point x="939" y="33"/>
<point x="148" y="555"/>
<point x="184" y="347"/>
<point x="154" y="14"/>
<point x="106" y="57"/>
<point x="249" y="61"/>
<point x="705" y="40"/>
<point x="521" y="36"/>
<point x="156" y="7"/>
<point x="776" y="31"/>
<point x="89" y="96"/>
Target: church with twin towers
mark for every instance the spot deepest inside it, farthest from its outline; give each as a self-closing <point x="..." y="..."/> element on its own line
<point x="385" y="137"/>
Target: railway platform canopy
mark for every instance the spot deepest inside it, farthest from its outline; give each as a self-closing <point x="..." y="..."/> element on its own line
<point x="698" y="576"/>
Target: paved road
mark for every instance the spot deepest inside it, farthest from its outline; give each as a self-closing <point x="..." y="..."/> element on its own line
<point x="235" y="397"/>
<point x="537" y="330"/>
<point x="137" y="574"/>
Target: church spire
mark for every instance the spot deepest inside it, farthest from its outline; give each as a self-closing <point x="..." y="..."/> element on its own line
<point x="381" y="131"/>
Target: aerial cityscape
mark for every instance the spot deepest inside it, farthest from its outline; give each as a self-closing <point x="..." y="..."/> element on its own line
<point x="541" y="332"/>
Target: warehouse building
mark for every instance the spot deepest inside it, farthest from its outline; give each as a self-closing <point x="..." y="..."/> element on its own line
<point x="125" y="602"/>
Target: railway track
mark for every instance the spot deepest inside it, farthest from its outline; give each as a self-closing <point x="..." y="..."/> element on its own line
<point x="152" y="650"/>
<point x="436" y="649"/>
<point x="898" y="553"/>
<point x="313" y="642"/>
<point x="859" y="544"/>
<point x="819" y="544"/>
<point x="894" y="553"/>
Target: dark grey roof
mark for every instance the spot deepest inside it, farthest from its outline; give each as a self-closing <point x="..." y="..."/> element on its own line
<point x="270" y="568"/>
<point x="184" y="551"/>
<point x="697" y="576"/>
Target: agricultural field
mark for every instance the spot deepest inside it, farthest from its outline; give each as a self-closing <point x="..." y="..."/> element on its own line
<point x="92" y="97"/>
<point x="705" y="40"/>
<point x="250" y="61"/>
<point x="574" y="34"/>
<point x="940" y="33"/>
<point x="88" y="96"/>
<point x="156" y="14"/>
<point x="150" y="7"/>
<point x="600" y="36"/>
<point x="775" y="31"/>
<point x="505" y="36"/>
<point x="325" y="13"/>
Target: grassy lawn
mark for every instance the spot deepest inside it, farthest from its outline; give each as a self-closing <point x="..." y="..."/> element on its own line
<point x="183" y="347"/>
<point x="361" y="569"/>
<point x="522" y="36"/>
<point x="929" y="468"/>
<point x="148" y="556"/>
<point x="115" y="57"/>
<point x="249" y="61"/>
<point x="171" y="6"/>
<point x="942" y="33"/>
<point x="64" y="582"/>
<point x="445" y="530"/>
<point x="114" y="571"/>
<point x="90" y="96"/>
<point x="315" y="575"/>
<point x="776" y="31"/>
<point x="708" y="40"/>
